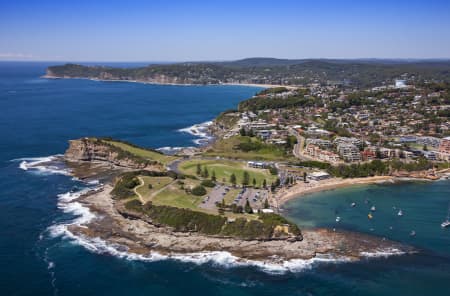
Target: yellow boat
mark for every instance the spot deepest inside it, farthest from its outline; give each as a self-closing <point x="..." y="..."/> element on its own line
<point x="370" y="216"/>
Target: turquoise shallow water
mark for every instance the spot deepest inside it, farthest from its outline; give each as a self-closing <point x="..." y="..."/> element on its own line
<point x="37" y="118"/>
<point x="424" y="206"/>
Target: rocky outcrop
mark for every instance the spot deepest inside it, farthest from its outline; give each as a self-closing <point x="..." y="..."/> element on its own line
<point x="89" y="149"/>
<point x="141" y="237"/>
<point x="428" y="174"/>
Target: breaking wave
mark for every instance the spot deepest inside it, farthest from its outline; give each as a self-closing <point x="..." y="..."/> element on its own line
<point x="67" y="202"/>
<point x="48" y="165"/>
<point x="383" y="253"/>
<point x="200" y="131"/>
<point x="171" y="150"/>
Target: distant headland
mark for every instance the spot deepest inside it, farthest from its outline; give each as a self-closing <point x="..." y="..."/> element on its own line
<point x="263" y="71"/>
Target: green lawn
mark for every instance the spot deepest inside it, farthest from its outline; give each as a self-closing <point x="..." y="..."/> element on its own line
<point x="148" y="154"/>
<point x="224" y="169"/>
<point x="157" y="184"/>
<point x="231" y="195"/>
<point x="174" y="196"/>
<point x="228" y="148"/>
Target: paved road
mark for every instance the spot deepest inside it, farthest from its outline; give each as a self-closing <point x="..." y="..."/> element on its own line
<point x="298" y="148"/>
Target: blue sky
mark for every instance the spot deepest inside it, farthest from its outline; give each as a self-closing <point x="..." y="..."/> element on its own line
<point x="222" y="30"/>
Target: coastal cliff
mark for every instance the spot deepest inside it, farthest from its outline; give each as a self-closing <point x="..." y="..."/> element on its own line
<point x="93" y="149"/>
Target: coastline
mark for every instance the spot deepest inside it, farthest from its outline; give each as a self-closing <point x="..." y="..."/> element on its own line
<point x="173" y="84"/>
<point x="301" y="189"/>
<point x="102" y="227"/>
<point x="140" y="238"/>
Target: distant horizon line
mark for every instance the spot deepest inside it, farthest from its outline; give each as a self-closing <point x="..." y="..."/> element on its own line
<point x="225" y="60"/>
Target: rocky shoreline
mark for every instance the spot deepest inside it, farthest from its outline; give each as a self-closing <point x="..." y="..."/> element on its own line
<point x="131" y="231"/>
<point x="142" y="238"/>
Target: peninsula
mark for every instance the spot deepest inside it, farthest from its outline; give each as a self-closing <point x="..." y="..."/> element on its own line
<point x="263" y="71"/>
<point x="194" y="208"/>
<point x="284" y="142"/>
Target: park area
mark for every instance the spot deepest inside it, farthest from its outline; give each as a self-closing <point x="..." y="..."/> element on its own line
<point x="224" y="169"/>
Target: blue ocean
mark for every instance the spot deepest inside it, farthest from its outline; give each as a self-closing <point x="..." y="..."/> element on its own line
<point x="38" y="116"/>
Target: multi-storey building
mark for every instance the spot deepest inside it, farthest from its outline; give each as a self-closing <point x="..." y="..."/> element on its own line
<point x="349" y="152"/>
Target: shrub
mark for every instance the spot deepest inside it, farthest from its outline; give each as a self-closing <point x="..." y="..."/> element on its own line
<point x="134" y="205"/>
<point x="208" y="183"/>
<point x="185" y="220"/>
<point x="199" y="190"/>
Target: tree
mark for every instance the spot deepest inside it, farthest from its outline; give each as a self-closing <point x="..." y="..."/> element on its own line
<point x="425" y="148"/>
<point x="304" y="176"/>
<point x="213" y="176"/>
<point x="199" y="169"/>
<point x="254" y="182"/>
<point x="277" y="182"/>
<point x="242" y="132"/>
<point x="264" y="184"/>
<point x="248" y="209"/>
<point x="246" y="179"/>
<point x="378" y="153"/>
<point x="233" y="179"/>
<point x="150" y="186"/>
<point x="205" y="172"/>
<point x="266" y="204"/>
<point x="273" y="187"/>
<point x="199" y="190"/>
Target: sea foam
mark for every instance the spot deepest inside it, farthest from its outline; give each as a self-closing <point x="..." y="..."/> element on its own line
<point x="67" y="202"/>
<point x="200" y="131"/>
<point x="47" y="165"/>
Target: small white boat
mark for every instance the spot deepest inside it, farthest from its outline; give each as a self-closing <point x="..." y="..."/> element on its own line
<point x="412" y="233"/>
<point x="373" y="209"/>
<point x="338" y="219"/>
<point x="353" y="204"/>
<point x="400" y="213"/>
<point x="446" y="223"/>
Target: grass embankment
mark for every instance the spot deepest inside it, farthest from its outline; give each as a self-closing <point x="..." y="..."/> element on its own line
<point x="223" y="170"/>
<point x="177" y="207"/>
<point x="185" y="220"/>
<point x="175" y="195"/>
<point x="248" y="148"/>
<point x="167" y="189"/>
<point x="151" y="186"/>
<point x="141" y="152"/>
<point x="227" y="119"/>
<point x="127" y="182"/>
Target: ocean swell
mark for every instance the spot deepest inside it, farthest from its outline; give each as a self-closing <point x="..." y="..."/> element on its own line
<point x="47" y="165"/>
<point x="200" y="131"/>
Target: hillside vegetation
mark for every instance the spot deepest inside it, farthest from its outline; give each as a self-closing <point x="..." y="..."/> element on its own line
<point x="360" y="73"/>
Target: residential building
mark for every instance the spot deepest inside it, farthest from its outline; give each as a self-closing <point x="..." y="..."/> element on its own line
<point x="445" y="145"/>
<point x="349" y="152"/>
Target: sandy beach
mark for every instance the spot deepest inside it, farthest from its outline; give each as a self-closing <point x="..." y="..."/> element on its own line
<point x="301" y="189"/>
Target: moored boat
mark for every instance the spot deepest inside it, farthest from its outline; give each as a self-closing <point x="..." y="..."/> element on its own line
<point x="446" y="223"/>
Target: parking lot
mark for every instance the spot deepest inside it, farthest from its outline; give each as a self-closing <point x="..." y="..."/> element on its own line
<point x="256" y="197"/>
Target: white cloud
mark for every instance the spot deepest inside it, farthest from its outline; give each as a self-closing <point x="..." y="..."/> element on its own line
<point x="15" y="56"/>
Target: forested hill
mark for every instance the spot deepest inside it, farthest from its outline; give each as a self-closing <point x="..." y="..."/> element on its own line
<point x="358" y="73"/>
